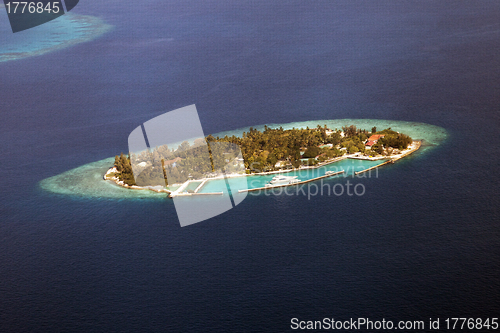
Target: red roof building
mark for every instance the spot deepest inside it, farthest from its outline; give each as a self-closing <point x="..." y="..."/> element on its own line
<point x="370" y="143"/>
<point x="376" y="137"/>
<point x="373" y="139"/>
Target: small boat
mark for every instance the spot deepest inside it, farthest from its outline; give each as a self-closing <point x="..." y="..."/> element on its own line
<point x="282" y="180"/>
<point x="329" y="173"/>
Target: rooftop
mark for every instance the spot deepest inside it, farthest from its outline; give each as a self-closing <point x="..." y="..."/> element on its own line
<point x="375" y="137"/>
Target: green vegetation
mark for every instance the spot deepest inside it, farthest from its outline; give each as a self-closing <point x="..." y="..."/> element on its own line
<point x="266" y="150"/>
<point x="394" y="139"/>
<point x="311" y="152"/>
<point x="354" y="139"/>
<point x="124" y="169"/>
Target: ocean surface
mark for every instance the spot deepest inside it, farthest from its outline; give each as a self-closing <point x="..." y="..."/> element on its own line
<point x="422" y="242"/>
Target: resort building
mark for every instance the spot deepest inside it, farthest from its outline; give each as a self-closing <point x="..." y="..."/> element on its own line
<point x="329" y="132"/>
<point x="373" y="140"/>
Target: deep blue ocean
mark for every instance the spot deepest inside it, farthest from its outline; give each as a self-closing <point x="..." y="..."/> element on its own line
<point x="423" y="242"/>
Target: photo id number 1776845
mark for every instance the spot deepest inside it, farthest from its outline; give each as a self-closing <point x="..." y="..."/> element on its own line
<point x="16" y="7"/>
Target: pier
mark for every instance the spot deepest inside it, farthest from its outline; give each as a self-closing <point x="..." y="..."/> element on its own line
<point x="373" y="167"/>
<point x="201" y="185"/>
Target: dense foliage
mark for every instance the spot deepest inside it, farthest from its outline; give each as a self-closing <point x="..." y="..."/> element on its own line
<point x="124" y="169"/>
<point x="395" y="140"/>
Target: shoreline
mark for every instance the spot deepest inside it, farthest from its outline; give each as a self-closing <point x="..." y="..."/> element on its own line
<point x="415" y="145"/>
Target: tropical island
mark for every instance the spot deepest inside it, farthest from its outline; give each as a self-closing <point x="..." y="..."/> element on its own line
<point x="86" y="180"/>
<point x="272" y="150"/>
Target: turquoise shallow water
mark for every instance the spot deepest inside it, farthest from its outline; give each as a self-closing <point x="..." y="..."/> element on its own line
<point x="192" y="186"/>
<point x="65" y="31"/>
<point x="87" y="180"/>
<point x="349" y="166"/>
